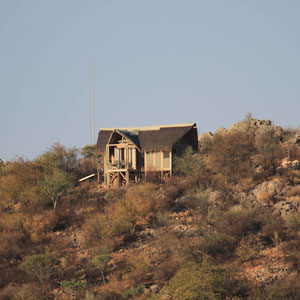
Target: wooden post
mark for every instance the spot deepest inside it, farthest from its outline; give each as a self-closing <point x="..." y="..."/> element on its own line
<point x="170" y="163"/>
<point x="107" y="179"/>
<point x="161" y="164"/>
<point x="127" y="177"/>
<point x="145" y="164"/>
<point x="118" y="179"/>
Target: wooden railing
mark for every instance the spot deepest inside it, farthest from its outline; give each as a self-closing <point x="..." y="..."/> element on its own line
<point x="118" y="165"/>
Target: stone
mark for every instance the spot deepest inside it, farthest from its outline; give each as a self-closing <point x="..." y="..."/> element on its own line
<point x="154" y="288"/>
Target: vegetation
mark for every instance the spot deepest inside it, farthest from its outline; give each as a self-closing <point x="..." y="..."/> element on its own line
<point x="40" y="265"/>
<point x="225" y="227"/>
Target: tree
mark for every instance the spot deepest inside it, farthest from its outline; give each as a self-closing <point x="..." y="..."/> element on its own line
<point x="58" y="156"/>
<point x="230" y="156"/>
<point x="40" y="265"/>
<point x="19" y="182"/>
<point x="189" y="164"/>
<point x="72" y="286"/>
<point x="100" y="261"/>
<point x="88" y="151"/>
<point x="56" y="185"/>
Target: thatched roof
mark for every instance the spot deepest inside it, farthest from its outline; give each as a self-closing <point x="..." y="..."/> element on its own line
<point x="151" y="138"/>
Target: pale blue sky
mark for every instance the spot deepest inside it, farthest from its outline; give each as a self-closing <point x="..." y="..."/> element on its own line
<point x="156" y="62"/>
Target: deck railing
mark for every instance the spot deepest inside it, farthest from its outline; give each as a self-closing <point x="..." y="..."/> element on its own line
<point x="118" y="165"/>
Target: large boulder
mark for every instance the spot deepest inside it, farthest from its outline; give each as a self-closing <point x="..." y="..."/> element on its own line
<point x="269" y="190"/>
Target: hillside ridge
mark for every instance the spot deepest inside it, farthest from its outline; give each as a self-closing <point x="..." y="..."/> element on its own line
<point x="226" y="226"/>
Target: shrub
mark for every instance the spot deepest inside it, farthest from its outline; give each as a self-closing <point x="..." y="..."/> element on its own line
<point x="19" y="183"/>
<point x="39" y="225"/>
<point x="162" y="219"/>
<point x="249" y="249"/>
<point x="133" y="292"/>
<point x="89" y="296"/>
<point x="26" y="291"/>
<point x="239" y="221"/>
<point x="137" y="208"/>
<point x="291" y="248"/>
<point x="100" y="261"/>
<point x="218" y="245"/>
<point x="269" y="151"/>
<point x="40" y="266"/>
<point x="285" y="289"/>
<point x="293" y="222"/>
<point x="198" y="201"/>
<point x="57" y="184"/>
<point x="273" y="231"/>
<point x="73" y="286"/>
<point x="189" y="164"/>
<point x="202" y="281"/>
<point x="234" y="148"/>
<point x="13" y="245"/>
<point x="11" y="222"/>
<point x="138" y="268"/>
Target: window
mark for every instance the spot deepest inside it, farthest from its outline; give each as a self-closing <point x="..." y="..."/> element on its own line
<point x="122" y="154"/>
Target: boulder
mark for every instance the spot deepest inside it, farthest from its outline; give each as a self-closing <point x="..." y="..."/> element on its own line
<point x="285" y="208"/>
<point x="273" y="188"/>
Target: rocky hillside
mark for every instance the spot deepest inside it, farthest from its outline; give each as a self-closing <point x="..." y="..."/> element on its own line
<point x="227" y="226"/>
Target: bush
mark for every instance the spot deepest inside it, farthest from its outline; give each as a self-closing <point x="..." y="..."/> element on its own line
<point x="239" y="221"/>
<point x="249" y="249"/>
<point x="40" y="266"/>
<point x="13" y="245"/>
<point x="26" y="291"/>
<point x="285" y="289"/>
<point x="218" y="245"/>
<point x="39" y="225"/>
<point x="162" y="219"/>
<point x="100" y="262"/>
<point x="293" y="222"/>
<point x="133" y="292"/>
<point x="291" y="248"/>
<point x="273" y="231"/>
<point x="234" y="148"/>
<point x="202" y="281"/>
<point x="11" y="222"/>
<point x="136" y="209"/>
<point x="138" y="268"/>
<point x="189" y="164"/>
<point x="73" y="286"/>
<point x="269" y="151"/>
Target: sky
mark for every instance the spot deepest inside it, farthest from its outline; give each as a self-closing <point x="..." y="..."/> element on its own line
<point x="156" y="62"/>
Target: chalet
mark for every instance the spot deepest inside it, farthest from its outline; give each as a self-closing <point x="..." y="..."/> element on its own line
<point x="133" y="153"/>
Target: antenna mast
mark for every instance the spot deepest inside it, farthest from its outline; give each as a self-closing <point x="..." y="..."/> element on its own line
<point x="90" y="116"/>
<point x="93" y="87"/>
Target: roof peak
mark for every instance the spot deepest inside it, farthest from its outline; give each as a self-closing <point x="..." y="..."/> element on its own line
<point x="145" y="128"/>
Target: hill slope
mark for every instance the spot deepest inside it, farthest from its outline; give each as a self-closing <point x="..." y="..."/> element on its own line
<point x="225" y="227"/>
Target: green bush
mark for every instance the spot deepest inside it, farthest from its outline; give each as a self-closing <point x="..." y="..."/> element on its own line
<point x="133" y="292"/>
<point x="202" y="281"/>
<point x="40" y="266"/>
<point x="100" y="262"/>
<point x="189" y="164"/>
<point x="73" y="284"/>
